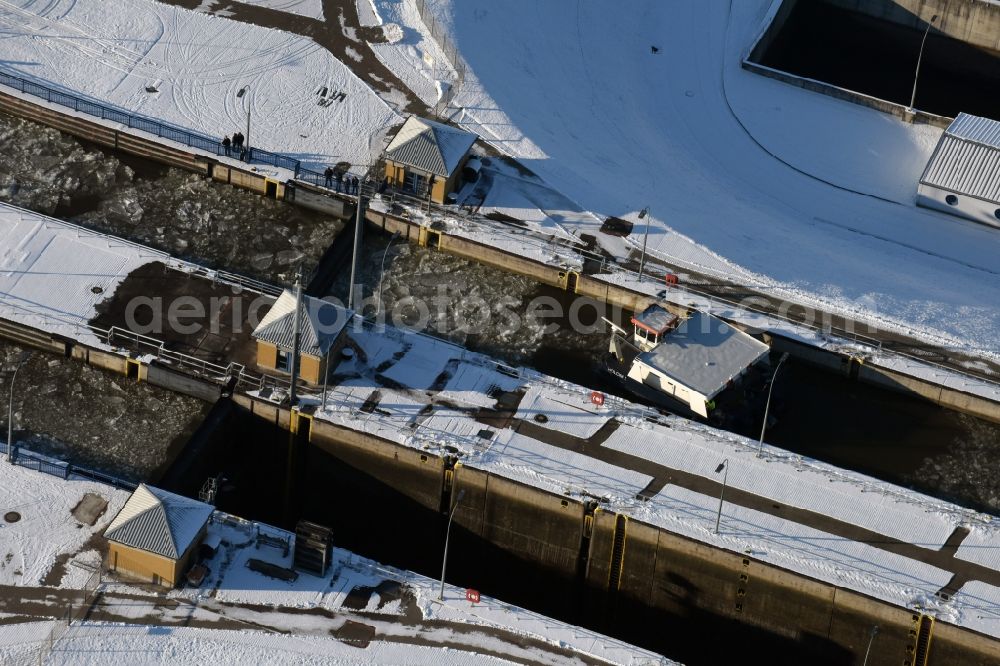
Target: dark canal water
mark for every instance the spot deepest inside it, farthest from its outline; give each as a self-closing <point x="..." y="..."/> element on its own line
<point x="878" y="58"/>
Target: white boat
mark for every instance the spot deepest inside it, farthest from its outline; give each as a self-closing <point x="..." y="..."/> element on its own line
<point x="681" y="362"/>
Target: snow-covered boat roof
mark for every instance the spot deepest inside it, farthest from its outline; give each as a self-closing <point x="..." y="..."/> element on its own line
<point x="704" y="353"/>
<point x="320" y="324"/>
<point x="967" y="159"/>
<point x="429" y="146"/>
<point x="655" y="319"/>
<point x="159" y="522"/>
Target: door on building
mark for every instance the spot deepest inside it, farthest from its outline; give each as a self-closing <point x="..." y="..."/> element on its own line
<point x="416" y="183"/>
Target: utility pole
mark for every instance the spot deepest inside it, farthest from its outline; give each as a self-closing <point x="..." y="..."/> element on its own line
<point x="447" y="535"/>
<point x="295" y="335"/>
<point x="243" y="91"/>
<point x="724" y="468"/>
<point x="645" y="237"/>
<point x="920" y="57"/>
<point x="767" y="405"/>
<point x="357" y="244"/>
<point x="22" y="359"/>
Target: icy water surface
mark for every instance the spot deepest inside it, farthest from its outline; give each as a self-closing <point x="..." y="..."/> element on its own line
<point x="94" y="418"/>
<point x="182" y="213"/>
<point x="894" y="437"/>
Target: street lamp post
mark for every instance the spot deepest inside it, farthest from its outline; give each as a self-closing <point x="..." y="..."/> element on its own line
<point x="447" y="534"/>
<point x="724" y="468"/>
<point x="870" y="641"/>
<point x="22" y="359"/>
<point x="381" y="272"/>
<point x="357" y="247"/>
<point x="767" y="405"/>
<point x="920" y="57"/>
<point x="645" y="237"/>
<point x="243" y="91"/>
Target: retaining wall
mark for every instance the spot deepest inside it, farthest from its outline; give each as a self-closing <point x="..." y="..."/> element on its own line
<point x="683" y="579"/>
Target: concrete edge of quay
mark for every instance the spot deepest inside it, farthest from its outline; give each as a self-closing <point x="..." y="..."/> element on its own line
<point x="625" y="566"/>
<point x="585" y="285"/>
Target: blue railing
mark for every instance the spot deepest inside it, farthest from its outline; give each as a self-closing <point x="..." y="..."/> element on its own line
<point x="163" y="130"/>
<point x="29" y="459"/>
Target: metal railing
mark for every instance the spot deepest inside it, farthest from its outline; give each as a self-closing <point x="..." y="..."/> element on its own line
<point x="440" y="36"/>
<point x="29" y="459"/>
<point x="152" y="126"/>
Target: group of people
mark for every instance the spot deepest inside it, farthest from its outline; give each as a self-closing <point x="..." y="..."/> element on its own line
<point x="345" y="182"/>
<point x="234" y="145"/>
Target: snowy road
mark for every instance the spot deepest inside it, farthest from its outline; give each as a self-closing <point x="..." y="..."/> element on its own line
<point x="721" y="201"/>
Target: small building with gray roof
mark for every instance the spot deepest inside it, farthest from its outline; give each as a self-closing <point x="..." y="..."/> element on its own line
<point x="155" y="535"/>
<point x="320" y="326"/>
<point x="426" y="158"/>
<point x="963" y="174"/>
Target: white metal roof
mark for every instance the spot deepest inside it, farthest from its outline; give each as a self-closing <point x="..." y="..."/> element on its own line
<point x="967" y="159"/>
<point x="704" y="353"/>
<point x="159" y="522"/>
<point x="320" y="323"/>
<point x="429" y="146"/>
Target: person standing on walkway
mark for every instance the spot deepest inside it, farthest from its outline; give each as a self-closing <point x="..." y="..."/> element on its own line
<point x="340" y="180"/>
<point x="226" y="142"/>
<point x="354" y="184"/>
<point x="328" y="178"/>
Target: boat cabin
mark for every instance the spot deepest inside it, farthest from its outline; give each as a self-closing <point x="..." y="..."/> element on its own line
<point x="696" y="358"/>
<point x="651" y="325"/>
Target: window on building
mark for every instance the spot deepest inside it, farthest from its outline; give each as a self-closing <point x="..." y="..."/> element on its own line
<point x="415" y="182"/>
<point x="284" y="361"/>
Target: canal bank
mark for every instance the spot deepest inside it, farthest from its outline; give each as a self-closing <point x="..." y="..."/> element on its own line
<point x="977" y="397"/>
<point x="566" y="268"/>
<point x="541" y="461"/>
<point x="281" y="235"/>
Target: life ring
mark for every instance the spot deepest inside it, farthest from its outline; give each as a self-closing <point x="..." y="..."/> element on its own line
<point x="597" y="398"/>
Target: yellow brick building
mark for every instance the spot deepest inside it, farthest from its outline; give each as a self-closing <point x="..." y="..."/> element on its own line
<point x="321" y="325"/>
<point x="155" y="535"/>
<point x="426" y="157"/>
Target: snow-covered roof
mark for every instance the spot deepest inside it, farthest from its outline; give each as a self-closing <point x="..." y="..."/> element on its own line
<point x="159" y="522"/>
<point x="429" y="146"/>
<point x="967" y="159"/>
<point x="655" y="319"/>
<point x="320" y="323"/>
<point x="704" y="353"/>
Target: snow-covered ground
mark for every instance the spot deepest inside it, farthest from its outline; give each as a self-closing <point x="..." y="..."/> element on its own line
<point x="410" y="52"/>
<point x="46" y="530"/>
<point x="196" y="63"/>
<point x="358" y="613"/>
<point x="745" y="177"/>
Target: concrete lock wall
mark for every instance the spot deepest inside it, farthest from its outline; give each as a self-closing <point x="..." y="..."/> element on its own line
<point x="542" y="528"/>
<point x="658" y="569"/>
<point x="975" y="22"/>
<point x="140" y="146"/>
